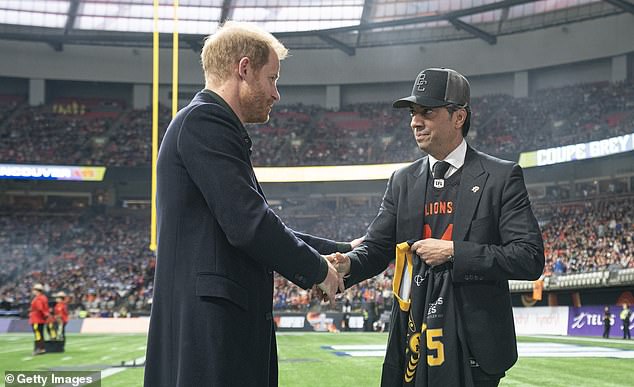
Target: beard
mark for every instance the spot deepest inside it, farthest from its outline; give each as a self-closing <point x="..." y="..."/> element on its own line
<point x="257" y="106"/>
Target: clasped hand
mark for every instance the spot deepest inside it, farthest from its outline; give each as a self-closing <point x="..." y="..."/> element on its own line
<point x="327" y="290"/>
<point x="338" y="267"/>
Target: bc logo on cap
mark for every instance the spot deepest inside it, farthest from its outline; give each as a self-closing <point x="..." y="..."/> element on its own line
<point x="421" y="82"/>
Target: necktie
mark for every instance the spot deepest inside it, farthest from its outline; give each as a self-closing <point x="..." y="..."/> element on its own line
<point x="440" y="168"/>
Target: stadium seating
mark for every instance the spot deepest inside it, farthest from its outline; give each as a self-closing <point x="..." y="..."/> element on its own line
<point x="103" y="261"/>
<point x="105" y="132"/>
<point x="588" y="244"/>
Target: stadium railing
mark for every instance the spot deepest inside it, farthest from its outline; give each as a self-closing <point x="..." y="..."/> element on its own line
<point x="597" y="279"/>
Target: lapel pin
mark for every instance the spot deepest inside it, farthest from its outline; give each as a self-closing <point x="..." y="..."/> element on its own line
<point x="475" y="189"/>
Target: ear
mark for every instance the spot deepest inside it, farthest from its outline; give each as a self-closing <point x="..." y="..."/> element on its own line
<point x="461" y="117"/>
<point x="244" y="67"/>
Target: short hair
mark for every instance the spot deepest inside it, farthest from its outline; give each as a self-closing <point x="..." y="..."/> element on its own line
<point x="452" y="108"/>
<point x="234" y="41"/>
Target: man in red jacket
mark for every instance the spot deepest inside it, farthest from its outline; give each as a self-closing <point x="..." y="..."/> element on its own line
<point x="61" y="315"/>
<point x="38" y="316"/>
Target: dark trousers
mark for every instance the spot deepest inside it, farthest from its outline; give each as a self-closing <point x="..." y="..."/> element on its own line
<point x="38" y="332"/>
<point x="626" y="330"/>
<point x="606" y="331"/>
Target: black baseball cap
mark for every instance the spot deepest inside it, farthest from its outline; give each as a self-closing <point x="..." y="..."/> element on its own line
<point x="437" y="87"/>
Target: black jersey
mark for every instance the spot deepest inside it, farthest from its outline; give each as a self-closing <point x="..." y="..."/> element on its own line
<point x="427" y="346"/>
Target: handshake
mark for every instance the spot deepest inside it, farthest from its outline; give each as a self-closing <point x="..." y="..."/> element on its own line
<point x="338" y="267"/>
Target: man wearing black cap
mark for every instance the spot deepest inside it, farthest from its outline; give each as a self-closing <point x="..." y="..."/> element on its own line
<point x="460" y="225"/>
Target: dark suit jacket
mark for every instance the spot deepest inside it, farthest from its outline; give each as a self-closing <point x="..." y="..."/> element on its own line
<point x="496" y="238"/>
<point x="218" y="244"/>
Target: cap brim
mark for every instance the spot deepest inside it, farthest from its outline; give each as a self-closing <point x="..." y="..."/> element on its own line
<point x="418" y="100"/>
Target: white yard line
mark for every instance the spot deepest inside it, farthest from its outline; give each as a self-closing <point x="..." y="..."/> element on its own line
<point x="115" y="370"/>
<point x="542" y="349"/>
<point x="615" y="340"/>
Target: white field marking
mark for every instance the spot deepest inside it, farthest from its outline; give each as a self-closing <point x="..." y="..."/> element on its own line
<point x="66" y="358"/>
<point x="356" y="347"/>
<point x="27" y="358"/>
<point x="111" y="371"/>
<point x="105" y="357"/>
<point x="524" y="350"/>
<point x="115" y="370"/>
<point x="570" y="350"/>
<point x="586" y="338"/>
<point x="15" y="350"/>
<point x="16" y="336"/>
<point x="361" y="353"/>
<point x="141" y="348"/>
<point x="92" y="339"/>
<point x="83" y="344"/>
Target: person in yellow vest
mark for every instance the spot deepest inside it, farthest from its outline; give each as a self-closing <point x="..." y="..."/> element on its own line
<point x="626" y="315"/>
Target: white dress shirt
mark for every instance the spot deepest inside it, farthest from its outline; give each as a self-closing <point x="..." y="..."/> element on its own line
<point x="455" y="159"/>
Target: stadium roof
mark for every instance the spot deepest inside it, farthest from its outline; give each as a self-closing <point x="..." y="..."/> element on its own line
<point x="344" y="24"/>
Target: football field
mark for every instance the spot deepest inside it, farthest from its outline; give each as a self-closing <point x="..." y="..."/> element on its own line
<point x="337" y="359"/>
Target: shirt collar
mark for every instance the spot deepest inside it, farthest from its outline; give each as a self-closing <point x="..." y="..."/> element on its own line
<point x="455" y="158"/>
<point x="220" y="101"/>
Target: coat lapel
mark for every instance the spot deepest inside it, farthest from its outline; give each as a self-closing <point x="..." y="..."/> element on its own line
<point x="417" y="180"/>
<point x="472" y="184"/>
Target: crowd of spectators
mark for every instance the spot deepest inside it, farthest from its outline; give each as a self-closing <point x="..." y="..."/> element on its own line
<point x="553" y="117"/>
<point x="103" y="262"/>
<point x="341" y="219"/>
<point x="311" y="135"/>
<point x="595" y="234"/>
<point x="592" y="235"/>
<point x="130" y="143"/>
<point x="77" y="132"/>
<point x="8" y="104"/>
